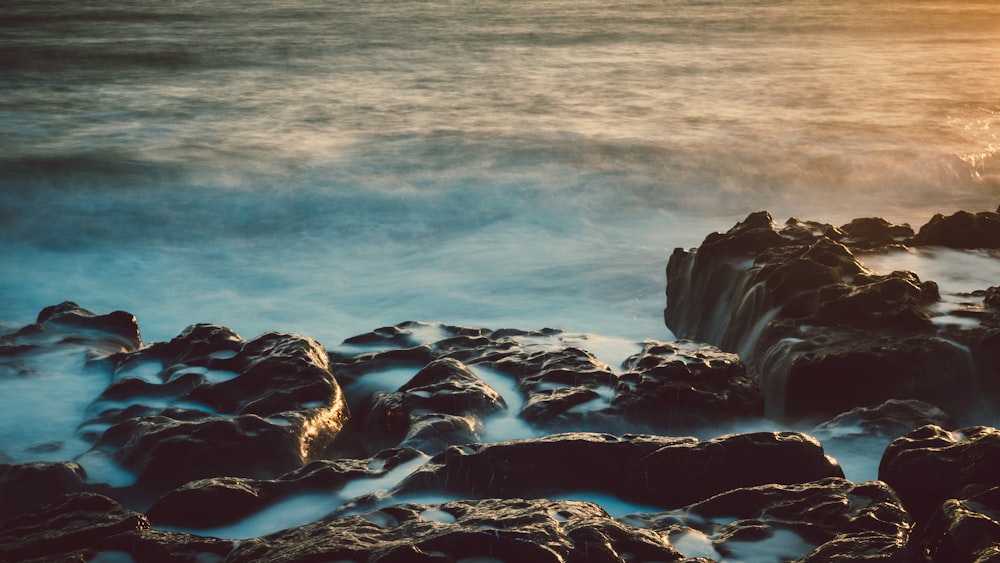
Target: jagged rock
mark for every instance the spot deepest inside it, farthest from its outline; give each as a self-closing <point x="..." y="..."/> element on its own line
<point x="930" y="465"/>
<point x="666" y="472"/>
<point x="504" y="529"/>
<point x="66" y="524"/>
<point x="668" y="388"/>
<point x="442" y="405"/>
<point x="822" y="332"/>
<point x="209" y="503"/>
<point x="827" y="520"/>
<point x="68" y="323"/>
<point x="256" y="408"/>
<point x="961" y="230"/>
<point x="874" y="232"/>
<point x="24" y="485"/>
<point x="685" y="385"/>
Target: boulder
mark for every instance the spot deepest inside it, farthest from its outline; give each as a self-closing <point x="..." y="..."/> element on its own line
<point x="219" y="501"/>
<point x="68" y="323"/>
<point x="235" y="408"/>
<point x="961" y="230"/>
<point x="686" y="386"/>
<point x="23" y="485"/>
<point x="442" y="405"/>
<point x="665" y="472"/>
<point x="66" y="524"/>
<point x="930" y="465"/>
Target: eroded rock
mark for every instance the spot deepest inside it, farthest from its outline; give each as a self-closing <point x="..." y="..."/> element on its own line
<point x="665" y="472"/>
<point x="822" y="332"/>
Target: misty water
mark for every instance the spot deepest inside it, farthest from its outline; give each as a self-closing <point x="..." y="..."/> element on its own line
<point x="326" y="167"/>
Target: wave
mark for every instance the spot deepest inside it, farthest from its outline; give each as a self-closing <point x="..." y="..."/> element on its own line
<point x="405" y="186"/>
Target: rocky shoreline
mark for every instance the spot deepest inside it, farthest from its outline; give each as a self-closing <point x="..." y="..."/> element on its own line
<point x="429" y="442"/>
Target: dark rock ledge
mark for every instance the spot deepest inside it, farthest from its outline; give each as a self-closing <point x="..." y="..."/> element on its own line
<point x="393" y="434"/>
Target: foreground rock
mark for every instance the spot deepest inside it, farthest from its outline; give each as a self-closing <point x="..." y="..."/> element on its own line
<point x="652" y="470"/>
<point x="492" y="529"/>
<point x="822" y="332"/>
<point x="821" y="521"/>
<point x="949" y="481"/>
<point x="206" y="404"/>
<point x="83" y="526"/>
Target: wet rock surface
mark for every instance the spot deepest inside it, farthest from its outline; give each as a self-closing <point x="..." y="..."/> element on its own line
<point x="825" y="520"/>
<point x="432" y="442"/>
<point x="822" y="332"/>
<point x="664" y="472"/>
<point x="949" y="481"/>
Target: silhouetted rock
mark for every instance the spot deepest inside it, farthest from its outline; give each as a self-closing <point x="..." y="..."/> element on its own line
<point x="668" y="388"/>
<point x="961" y="230"/>
<point x="874" y="232"/>
<point x="86" y="527"/>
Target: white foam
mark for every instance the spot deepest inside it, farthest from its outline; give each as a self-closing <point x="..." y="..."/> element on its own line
<point x="388" y="380"/>
<point x="366" y="486"/>
<point x="694" y="543"/>
<point x="437" y="515"/>
<point x="102" y="468"/>
<point x="44" y="404"/>
<point x="781" y="545"/>
<point x="503" y="384"/>
<point x="287" y="513"/>
<point x="146" y="371"/>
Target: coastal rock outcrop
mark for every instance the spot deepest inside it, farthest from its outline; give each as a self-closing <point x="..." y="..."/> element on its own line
<point x="822" y="332"/>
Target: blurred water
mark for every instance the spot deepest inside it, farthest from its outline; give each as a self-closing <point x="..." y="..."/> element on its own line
<point x="325" y="167"/>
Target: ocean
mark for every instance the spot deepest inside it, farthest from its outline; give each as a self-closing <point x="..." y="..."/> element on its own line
<point x="327" y="167"/>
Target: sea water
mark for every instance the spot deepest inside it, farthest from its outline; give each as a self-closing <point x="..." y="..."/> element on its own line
<point x="329" y="166"/>
<point x="326" y="167"/>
